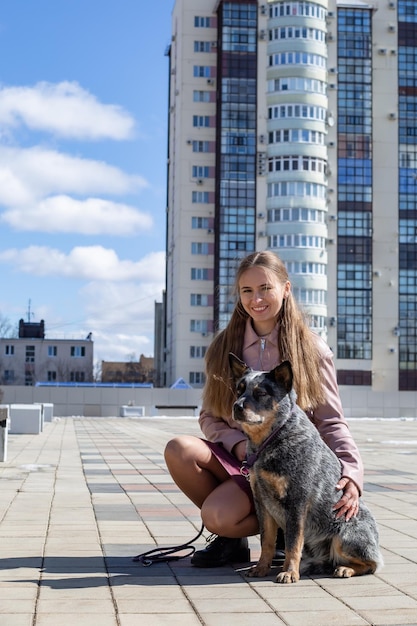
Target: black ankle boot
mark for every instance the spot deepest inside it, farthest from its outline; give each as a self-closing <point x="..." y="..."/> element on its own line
<point x="220" y="551"/>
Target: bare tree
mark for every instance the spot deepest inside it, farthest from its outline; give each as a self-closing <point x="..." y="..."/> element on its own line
<point x="7" y="330"/>
<point x="97" y="372"/>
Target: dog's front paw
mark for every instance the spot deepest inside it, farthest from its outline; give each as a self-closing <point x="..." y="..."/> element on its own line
<point x="291" y="576"/>
<point x="258" y="571"/>
<point x="343" y="571"/>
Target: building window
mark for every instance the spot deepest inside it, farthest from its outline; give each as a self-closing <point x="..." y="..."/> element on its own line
<point x="199" y="273"/>
<point x="78" y="351"/>
<point x="8" y="377"/>
<point x="297" y="58"/>
<point x="202" y="96"/>
<point x="201" y="121"/>
<point x="51" y="377"/>
<point x="313" y="216"/>
<point x="308" y="9"/>
<point x="8" y="350"/>
<point x="202" y="46"/>
<point x="307" y="268"/>
<point x="197" y="378"/>
<point x="310" y="296"/>
<point x="295" y="163"/>
<point x="297" y="241"/>
<point x="201" y="197"/>
<point x="202" y="22"/>
<point x="30" y="354"/>
<point x="199" y="299"/>
<point x="199" y="248"/>
<point x="197" y="352"/>
<point x="202" y="71"/>
<point x="293" y="188"/>
<point x="199" y="326"/>
<point x="77" y="377"/>
<point x="200" y="171"/>
<point x="28" y="379"/>
<point x="52" y="350"/>
<point x="296" y="111"/>
<point x="201" y="146"/>
<point x="296" y="135"/>
<point x="290" y="32"/>
<point x="200" y="222"/>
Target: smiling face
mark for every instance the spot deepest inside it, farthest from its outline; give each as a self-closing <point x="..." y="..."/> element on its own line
<point x="262" y="295"/>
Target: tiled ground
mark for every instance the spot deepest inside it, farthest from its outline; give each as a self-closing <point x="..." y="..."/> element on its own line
<point x="79" y="500"/>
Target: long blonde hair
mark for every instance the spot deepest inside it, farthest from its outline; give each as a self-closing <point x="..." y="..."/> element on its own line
<point x="296" y="343"/>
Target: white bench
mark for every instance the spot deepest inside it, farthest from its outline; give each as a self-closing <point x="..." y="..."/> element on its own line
<point x="25" y="419"/>
<point x="4" y="428"/>
<point x="48" y="411"/>
<point x="128" y="410"/>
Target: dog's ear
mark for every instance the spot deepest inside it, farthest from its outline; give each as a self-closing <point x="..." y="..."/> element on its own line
<point x="238" y="367"/>
<point x="283" y="375"/>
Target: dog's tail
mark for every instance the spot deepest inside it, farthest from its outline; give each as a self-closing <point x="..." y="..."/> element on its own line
<point x="379" y="563"/>
<point x="319" y="559"/>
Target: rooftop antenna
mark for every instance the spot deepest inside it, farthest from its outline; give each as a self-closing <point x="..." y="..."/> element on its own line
<point x="29" y="313"/>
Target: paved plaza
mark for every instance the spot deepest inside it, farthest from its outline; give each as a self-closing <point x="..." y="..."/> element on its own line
<point x="78" y="501"/>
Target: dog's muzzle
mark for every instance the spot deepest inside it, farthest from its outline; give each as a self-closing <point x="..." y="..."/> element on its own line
<point x="238" y="410"/>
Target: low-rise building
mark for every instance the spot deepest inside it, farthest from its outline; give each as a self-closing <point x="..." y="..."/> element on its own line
<point x="133" y="372"/>
<point x="31" y="358"/>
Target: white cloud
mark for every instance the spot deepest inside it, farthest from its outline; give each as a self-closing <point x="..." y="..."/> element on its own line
<point x="120" y="347"/>
<point x="123" y="307"/>
<point x="120" y="316"/>
<point x="64" y="109"/>
<point x="30" y="178"/>
<point x="45" y="190"/>
<point x="86" y="263"/>
<point x="63" y="214"/>
<point x="27" y="174"/>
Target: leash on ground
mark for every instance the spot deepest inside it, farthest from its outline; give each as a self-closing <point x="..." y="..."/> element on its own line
<point x="163" y="555"/>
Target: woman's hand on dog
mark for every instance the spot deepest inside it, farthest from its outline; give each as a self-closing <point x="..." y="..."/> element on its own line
<point x="348" y="505"/>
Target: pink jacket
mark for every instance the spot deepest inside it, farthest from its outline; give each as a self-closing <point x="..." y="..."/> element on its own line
<point x="328" y="418"/>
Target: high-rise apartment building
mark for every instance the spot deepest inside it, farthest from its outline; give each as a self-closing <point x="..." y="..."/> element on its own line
<point x="293" y="127"/>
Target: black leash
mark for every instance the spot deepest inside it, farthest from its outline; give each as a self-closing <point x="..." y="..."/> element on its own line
<point x="163" y="555"/>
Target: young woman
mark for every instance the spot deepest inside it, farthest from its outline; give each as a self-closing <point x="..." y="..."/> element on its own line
<point x="266" y="327"/>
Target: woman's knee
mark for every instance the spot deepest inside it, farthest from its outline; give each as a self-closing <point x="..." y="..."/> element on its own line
<point x="224" y="509"/>
<point x="173" y="450"/>
<point x="180" y="450"/>
<point x="218" y="520"/>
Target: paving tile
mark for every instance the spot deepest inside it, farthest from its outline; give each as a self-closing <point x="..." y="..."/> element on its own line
<point x="17" y="619"/>
<point x="160" y="619"/>
<point x="70" y="619"/>
<point x="393" y="617"/>
<point x="82" y="498"/>
<point x="324" y="618"/>
<point x="241" y="619"/>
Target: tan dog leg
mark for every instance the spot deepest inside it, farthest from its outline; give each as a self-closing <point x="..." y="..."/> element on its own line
<point x="268" y="540"/>
<point x="291" y="568"/>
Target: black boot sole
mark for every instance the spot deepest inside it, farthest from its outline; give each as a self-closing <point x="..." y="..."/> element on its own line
<point x="239" y="556"/>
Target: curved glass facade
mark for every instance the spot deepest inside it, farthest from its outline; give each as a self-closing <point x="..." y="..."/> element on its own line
<point x="297" y="185"/>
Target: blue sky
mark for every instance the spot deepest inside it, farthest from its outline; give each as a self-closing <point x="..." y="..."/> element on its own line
<point x="83" y="145"/>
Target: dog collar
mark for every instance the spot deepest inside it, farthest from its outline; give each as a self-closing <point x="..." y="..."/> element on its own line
<point x="250" y="460"/>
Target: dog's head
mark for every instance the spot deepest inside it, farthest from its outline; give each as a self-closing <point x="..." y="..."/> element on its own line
<point x="263" y="397"/>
